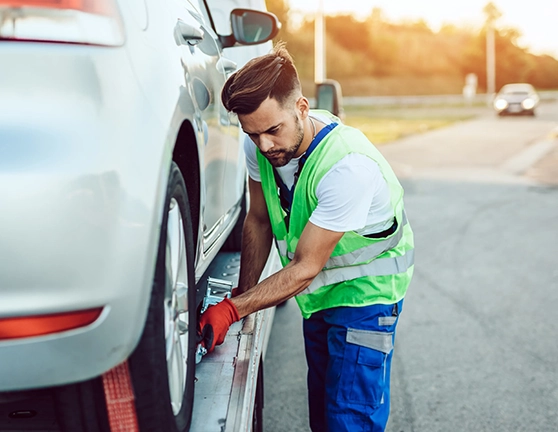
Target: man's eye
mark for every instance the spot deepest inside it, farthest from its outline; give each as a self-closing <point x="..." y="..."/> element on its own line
<point x="273" y="131"/>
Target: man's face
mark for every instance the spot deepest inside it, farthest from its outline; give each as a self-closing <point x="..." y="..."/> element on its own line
<point x="276" y="130"/>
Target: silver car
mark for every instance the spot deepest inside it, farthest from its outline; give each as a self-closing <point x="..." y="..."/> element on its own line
<point x="121" y="177"/>
<point x="516" y="98"/>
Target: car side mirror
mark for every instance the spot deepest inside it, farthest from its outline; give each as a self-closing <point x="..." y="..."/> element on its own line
<point x="329" y="97"/>
<point x="251" y="27"/>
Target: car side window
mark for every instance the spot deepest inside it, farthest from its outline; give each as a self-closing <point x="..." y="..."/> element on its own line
<point x="200" y="8"/>
<point x="220" y="13"/>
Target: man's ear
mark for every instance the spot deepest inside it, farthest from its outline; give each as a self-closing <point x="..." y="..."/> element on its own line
<point x="303" y="107"/>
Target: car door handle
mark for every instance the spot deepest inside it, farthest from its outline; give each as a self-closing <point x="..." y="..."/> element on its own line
<point x="187" y="34"/>
<point x="225" y="65"/>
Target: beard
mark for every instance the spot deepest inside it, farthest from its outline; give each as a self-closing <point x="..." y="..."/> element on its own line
<point x="283" y="157"/>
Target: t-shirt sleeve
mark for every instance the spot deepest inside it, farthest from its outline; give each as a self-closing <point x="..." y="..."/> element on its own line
<point x="252" y="159"/>
<point x="345" y="194"/>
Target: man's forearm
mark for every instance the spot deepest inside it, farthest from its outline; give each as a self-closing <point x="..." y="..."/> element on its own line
<point x="256" y="245"/>
<point x="277" y="288"/>
<point x="312" y="252"/>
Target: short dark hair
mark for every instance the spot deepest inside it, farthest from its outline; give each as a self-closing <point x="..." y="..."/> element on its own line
<point x="271" y="75"/>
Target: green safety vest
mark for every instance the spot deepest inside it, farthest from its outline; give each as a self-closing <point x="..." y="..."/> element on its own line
<point x="361" y="271"/>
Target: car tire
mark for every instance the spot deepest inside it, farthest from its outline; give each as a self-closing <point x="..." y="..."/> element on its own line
<point x="160" y="404"/>
<point x="234" y="241"/>
<point x="162" y="367"/>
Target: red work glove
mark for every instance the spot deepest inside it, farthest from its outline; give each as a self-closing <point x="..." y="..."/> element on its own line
<point x="216" y="320"/>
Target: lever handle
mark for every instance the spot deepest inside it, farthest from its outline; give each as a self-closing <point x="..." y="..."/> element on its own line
<point x="187" y="34"/>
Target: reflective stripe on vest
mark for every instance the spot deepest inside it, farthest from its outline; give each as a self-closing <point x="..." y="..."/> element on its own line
<point x="378" y="267"/>
<point x="369" y="252"/>
<point x="282" y="247"/>
<point x="364" y="254"/>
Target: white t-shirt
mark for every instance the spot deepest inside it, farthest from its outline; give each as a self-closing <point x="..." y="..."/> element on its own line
<point x="344" y="204"/>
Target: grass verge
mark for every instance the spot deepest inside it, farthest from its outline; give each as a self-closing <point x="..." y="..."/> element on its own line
<point x="386" y="124"/>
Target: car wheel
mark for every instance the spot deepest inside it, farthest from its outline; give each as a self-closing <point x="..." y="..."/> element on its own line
<point x="163" y="364"/>
<point x="234" y="241"/>
<point x="162" y="367"/>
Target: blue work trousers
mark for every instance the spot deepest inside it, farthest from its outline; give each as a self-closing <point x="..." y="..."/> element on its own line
<point x="349" y="352"/>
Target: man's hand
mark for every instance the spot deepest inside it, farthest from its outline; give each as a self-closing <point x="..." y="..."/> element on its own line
<point x="219" y="318"/>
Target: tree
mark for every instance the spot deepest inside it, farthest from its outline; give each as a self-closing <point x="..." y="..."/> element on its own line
<point x="281" y="9"/>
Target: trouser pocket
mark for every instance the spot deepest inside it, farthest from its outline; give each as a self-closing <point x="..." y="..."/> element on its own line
<point x="364" y="366"/>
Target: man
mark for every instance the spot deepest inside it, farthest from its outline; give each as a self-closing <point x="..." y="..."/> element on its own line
<point x="340" y="228"/>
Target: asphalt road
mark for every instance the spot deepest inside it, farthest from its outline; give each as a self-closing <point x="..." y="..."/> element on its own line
<point x="476" y="347"/>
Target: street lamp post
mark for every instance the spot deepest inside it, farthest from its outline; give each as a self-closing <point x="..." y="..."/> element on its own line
<point x="492" y="14"/>
<point x="319" y="45"/>
<point x="490" y="60"/>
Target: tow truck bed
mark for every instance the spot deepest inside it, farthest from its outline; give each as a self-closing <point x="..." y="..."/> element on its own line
<point x="229" y="380"/>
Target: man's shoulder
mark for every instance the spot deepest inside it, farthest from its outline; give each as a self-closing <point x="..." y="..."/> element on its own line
<point x="350" y="139"/>
<point x="352" y="166"/>
<point x="324" y="116"/>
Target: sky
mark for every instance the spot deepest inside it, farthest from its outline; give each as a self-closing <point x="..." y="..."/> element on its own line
<point x="537" y="20"/>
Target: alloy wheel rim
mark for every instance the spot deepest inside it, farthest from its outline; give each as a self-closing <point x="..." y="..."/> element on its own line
<point x="176" y="307"/>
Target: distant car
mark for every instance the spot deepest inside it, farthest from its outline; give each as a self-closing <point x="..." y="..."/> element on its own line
<point x="517" y="98"/>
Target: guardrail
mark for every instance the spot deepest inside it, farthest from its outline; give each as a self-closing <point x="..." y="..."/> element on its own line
<point x="481" y="98"/>
<point x="431" y="99"/>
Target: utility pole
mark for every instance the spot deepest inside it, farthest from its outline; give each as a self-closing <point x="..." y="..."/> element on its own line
<point x="492" y="14"/>
<point x="319" y="45"/>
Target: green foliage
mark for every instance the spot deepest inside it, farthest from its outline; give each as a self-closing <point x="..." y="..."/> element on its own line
<point x="544" y="71"/>
<point x="513" y="64"/>
<point x="281" y="9"/>
<point x="349" y="33"/>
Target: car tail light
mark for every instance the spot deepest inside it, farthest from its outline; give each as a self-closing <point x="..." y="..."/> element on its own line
<point x="95" y="22"/>
<point x="39" y="325"/>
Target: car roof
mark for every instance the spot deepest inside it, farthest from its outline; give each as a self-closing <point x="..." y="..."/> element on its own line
<point x="515" y="87"/>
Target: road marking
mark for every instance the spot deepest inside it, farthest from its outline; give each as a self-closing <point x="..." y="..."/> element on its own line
<point x="529" y="156"/>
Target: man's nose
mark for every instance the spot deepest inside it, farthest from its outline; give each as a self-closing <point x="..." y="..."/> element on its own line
<point x="266" y="144"/>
